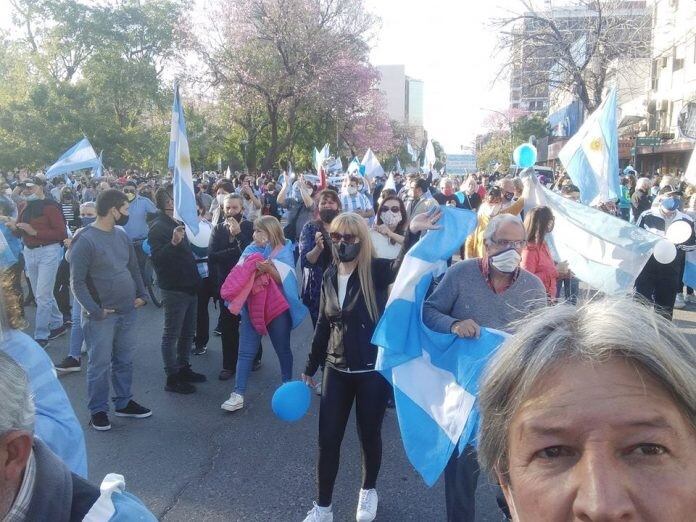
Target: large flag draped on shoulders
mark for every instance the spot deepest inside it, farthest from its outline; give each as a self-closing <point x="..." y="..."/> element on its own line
<point x="435" y="376"/>
<point x="284" y="261"/>
<point x="79" y="156"/>
<point x="180" y="163"/>
<point x="603" y="251"/>
<point x="591" y="156"/>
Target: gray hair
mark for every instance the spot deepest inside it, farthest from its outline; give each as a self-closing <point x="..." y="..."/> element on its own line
<point x="597" y="331"/>
<point x="497" y="222"/>
<point x="88" y="204"/>
<point x="643" y="183"/>
<point x="17" y="412"/>
<point x="230" y="197"/>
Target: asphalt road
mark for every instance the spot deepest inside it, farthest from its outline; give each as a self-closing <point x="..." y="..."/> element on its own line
<point x="192" y="461"/>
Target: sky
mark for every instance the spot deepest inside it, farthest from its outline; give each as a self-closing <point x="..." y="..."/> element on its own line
<point x="447" y="44"/>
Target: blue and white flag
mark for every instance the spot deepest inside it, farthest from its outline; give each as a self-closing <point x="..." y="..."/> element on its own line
<point x="98" y="171"/>
<point x="689" y="278"/>
<point x="180" y="162"/>
<point x="603" y="251"/>
<point x="284" y="261"/>
<point x="353" y="167"/>
<point x="79" y="156"/>
<point x="591" y="156"/>
<point x="429" y="157"/>
<point x="115" y="504"/>
<point x="412" y="152"/>
<point x="398" y="166"/>
<point x="435" y="375"/>
<point x="390" y="184"/>
<point x="373" y="168"/>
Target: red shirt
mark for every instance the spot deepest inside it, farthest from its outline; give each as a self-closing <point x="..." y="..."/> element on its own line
<point x="46" y="217"/>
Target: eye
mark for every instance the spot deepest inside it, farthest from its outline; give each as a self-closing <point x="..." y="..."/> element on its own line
<point x="648" y="450"/>
<point x="554" y="452"/>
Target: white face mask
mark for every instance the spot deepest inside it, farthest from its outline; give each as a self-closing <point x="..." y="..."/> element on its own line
<point x="390" y="218"/>
<point x="352" y="191"/>
<point x="507" y="261"/>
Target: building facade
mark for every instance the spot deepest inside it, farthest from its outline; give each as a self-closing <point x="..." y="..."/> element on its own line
<point x="404" y="98"/>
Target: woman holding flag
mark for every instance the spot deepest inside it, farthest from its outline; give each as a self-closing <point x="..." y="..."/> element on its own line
<point x="353" y="297"/>
<point x="279" y="265"/>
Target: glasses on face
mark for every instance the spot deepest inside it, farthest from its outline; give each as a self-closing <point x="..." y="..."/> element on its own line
<point x="129" y="191"/>
<point x="396" y="209"/>
<point x="346" y="238"/>
<point x="507" y="243"/>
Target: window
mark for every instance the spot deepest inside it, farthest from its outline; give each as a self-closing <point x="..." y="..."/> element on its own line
<point x="678" y="64"/>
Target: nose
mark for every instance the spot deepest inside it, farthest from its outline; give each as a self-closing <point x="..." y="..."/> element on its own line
<point x="602" y="490"/>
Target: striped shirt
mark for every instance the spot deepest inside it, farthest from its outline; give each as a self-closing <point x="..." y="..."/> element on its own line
<point x="20" y="507"/>
<point x="358" y="202"/>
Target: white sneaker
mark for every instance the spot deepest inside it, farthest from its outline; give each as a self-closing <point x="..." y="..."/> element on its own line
<point x="679" y="302"/>
<point x="234" y="403"/>
<point x="367" y="505"/>
<point x="319" y="514"/>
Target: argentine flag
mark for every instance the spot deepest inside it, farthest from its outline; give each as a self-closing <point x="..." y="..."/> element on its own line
<point x="284" y="261"/>
<point x="412" y="152"/>
<point x="353" y="166"/>
<point x="435" y="376"/>
<point x="429" y="158"/>
<point x="603" y="251"/>
<point x="115" y="504"/>
<point x="180" y="163"/>
<point x="373" y="168"/>
<point x="591" y="156"/>
<point x="98" y="171"/>
<point x="79" y="156"/>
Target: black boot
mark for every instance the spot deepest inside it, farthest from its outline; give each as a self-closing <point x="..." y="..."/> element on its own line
<point x="176" y="385"/>
<point x="186" y="374"/>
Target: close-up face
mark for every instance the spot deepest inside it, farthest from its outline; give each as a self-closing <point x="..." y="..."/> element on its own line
<point x="260" y="237"/>
<point x="509" y="235"/>
<point x="327" y="202"/>
<point x="233" y="207"/>
<point x="600" y="442"/>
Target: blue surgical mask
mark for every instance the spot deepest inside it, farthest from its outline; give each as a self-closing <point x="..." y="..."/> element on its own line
<point x="87" y="220"/>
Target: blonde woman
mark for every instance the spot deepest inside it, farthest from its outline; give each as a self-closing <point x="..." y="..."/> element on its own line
<point x="353" y="296"/>
<point x="277" y="251"/>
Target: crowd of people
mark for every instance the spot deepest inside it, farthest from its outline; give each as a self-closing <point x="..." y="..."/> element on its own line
<point x="76" y="248"/>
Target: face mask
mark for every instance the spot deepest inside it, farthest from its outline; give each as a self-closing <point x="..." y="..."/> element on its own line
<point x="506" y="261"/>
<point x="508" y="196"/>
<point x="448" y="191"/>
<point x="220" y="198"/>
<point x="87" y="220"/>
<point x="327" y="214"/>
<point x="352" y="191"/>
<point x="130" y="196"/>
<point x="122" y="220"/>
<point x="31" y="197"/>
<point x="390" y="218"/>
<point x="346" y="252"/>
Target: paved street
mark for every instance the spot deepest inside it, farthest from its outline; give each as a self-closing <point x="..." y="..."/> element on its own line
<point x="191" y="461"/>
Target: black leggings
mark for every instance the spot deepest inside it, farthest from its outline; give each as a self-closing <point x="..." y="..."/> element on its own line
<point x="370" y="392"/>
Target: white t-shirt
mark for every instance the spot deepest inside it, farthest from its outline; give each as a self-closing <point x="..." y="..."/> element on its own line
<point x="342" y="287"/>
<point x="383" y="246"/>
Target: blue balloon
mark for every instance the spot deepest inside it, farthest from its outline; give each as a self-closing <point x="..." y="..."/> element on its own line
<point x="291" y="401"/>
<point x="525" y="155"/>
<point x="145" y="245"/>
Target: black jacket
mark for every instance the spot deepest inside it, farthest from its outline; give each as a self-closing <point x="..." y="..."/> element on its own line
<point x="175" y="265"/>
<point x="224" y="254"/>
<point x="342" y="337"/>
<point x="640" y="202"/>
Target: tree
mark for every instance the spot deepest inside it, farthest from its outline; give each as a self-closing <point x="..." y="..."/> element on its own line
<point x="574" y="48"/>
<point x="496" y="150"/>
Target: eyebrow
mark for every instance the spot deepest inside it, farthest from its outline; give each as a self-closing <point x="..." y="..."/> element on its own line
<point x="658" y="422"/>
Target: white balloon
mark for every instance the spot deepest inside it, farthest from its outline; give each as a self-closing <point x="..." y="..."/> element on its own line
<point x="665" y="252"/>
<point x="201" y="239"/>
<point x="679" y="232"/>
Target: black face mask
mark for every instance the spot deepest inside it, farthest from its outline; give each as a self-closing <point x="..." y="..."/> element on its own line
<point x="327" y="214"/>
<point x="508" y="196"/>
<point x="122" y="220"/>
<point x="87" y="220"/>
<point x="346" y="252"/>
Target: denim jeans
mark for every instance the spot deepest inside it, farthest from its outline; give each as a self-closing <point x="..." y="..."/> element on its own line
<point x="279" y="332"/>
<point x="41" y="267"/>
<point x="110" y="344"/>
<point x="77" y="336"/>
<point x="461" y="478"/>
<point x="567" y="289"/>
<point x="179" y="328"/>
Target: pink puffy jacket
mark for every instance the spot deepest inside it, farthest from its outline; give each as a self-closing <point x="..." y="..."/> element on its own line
<point x="264" y="300"/>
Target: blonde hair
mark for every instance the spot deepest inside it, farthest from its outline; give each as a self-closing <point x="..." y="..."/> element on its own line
<point x="271" y="226"/>
<point x="351" y="223"/>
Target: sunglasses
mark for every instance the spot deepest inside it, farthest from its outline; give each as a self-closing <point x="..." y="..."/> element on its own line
<point x="346" y="238"/>
<point x="396" y="209"/>
<point x="129" y="191"/>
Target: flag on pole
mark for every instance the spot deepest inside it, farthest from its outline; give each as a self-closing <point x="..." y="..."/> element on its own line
<point x="390" y="184"/>
<point x="353" y="166"/>
<point x="603" y="251"/>
<point x="372" y="165"/>
<point x="398" y="166"/>
<point x="98" y="171"/>
<point x="435" y="375"/>
<point x="228" y="173"/>
<point x="591" y="156"/>
<point x="79" y="156"/>
<point x="429" y="158"/>
<point x="413" y="152"/>
<point x="180" y="162"/>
